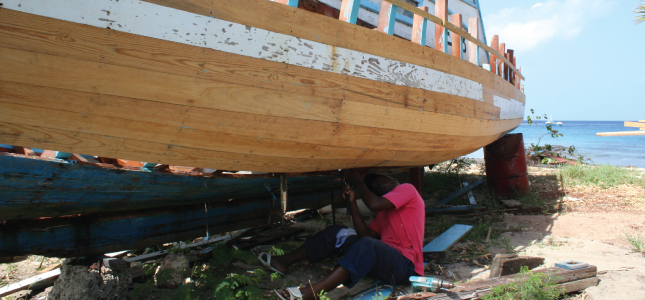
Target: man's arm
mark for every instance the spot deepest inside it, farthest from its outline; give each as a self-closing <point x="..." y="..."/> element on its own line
<point x="359" y="224"/>
<point x="373" y="202"/>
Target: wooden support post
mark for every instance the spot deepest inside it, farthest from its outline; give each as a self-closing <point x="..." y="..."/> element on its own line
<point x="419" y="25"/>
<point x="473" y="49"/>
<point x="493" y="59"/>
<point x="519" y="80"/>
<point x="456" y="39"/>
<point x="387" y="18"/>
<point x="283" y="194"/>
<point x="501" y="64"/>
<point x="293" y="3"/>
<point x="440" y="35"/>
<point x="511" y="75"/>
<point x="349" y="10"/>
<point x="416" y="177"/>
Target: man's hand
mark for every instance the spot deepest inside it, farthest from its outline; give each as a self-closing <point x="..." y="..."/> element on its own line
<point x="349" y="192"/>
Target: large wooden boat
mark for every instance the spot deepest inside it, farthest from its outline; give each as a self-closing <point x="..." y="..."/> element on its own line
<point x="252" y="85"/>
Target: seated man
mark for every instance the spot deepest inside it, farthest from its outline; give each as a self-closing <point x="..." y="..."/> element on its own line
<point x="389" y="249"/>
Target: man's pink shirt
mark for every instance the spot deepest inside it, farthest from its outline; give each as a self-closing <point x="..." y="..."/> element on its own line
<point x="403" y="227"/>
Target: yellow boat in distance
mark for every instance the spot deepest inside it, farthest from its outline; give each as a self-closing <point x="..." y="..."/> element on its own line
<point x="254" y="85"/>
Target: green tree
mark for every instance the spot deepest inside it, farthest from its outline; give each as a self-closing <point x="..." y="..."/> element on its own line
<point x="639" y="10"/>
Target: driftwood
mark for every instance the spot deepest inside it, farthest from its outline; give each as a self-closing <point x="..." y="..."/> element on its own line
<point x="568" y="280"/>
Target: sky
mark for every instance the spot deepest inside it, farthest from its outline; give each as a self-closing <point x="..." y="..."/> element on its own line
<point x="582" y="59"/>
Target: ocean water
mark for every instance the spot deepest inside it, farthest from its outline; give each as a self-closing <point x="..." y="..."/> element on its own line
<point x="618" y="151"/>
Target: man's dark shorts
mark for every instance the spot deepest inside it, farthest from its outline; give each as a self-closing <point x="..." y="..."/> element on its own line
<point x="361" y="256"/>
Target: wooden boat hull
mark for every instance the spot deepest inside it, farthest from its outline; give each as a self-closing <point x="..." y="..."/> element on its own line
<point x="320" y="94"/>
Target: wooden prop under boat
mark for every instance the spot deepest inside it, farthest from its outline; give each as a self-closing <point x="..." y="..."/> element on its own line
<point x="247" y="85"/>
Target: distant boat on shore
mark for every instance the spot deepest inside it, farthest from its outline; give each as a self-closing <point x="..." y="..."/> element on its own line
<point x="550" y="122"/>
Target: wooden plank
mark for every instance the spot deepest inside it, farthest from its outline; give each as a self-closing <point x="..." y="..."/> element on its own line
<point x="32" y="33"/>
<point x="386" y="18"/>
<point x="45" y="70"/>
<point x="634" y="124"/>
<point x="494" y="43"/>
<point x="473" y="49"/>
<point x="235" y="125"/>
<point x="620" y="133"/>
<point x="48" y="154"/>
<point x="502" y="64"/>
<point x="511" y="75"/>
<point x="557" y="274"/>
<point x="456" y="39"/>
<point x="440" y="36"/>
<point x="24" y="151"/>
<point x="25" y="284"/>
<point x="419" y="28"/>
<point x="579" y="285"/>
<point x="370" y="115"/>
<point x="349" y="10"/>
<point x="447" y="239"/>
<point x="310" y="26"/>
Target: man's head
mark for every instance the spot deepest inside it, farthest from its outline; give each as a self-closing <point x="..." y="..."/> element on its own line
<point x="380" y="184"/>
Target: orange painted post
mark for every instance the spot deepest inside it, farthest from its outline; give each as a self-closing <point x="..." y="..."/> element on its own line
<point x="519" y="80"/>
<point x="473" y="50"/>
<point x="349" y="11"/>
<point x="419" y="25"/>
<point x="493" y="59"/>
<point x="386" y="18"/>
<point x="440" y="36"/>
<point x="500" y="63"/>
<point x="511" y="75"/>
<point x="456" y="39"/>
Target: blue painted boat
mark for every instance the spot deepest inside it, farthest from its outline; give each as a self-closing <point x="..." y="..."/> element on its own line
<point x="56" y="207"/>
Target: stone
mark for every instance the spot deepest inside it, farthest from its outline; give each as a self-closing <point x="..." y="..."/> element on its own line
<point x="79" y="282"/>
<point x="172" y="271"/>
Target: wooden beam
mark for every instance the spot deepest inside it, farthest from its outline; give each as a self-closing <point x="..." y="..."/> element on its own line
<point x="349" y="10"/>
<point x="634" y="124"/>
<point x="386" y="18"/>
<point x="419" y="28"/>
<point x="48" y="154"/>
<point x="23" y="151"/>
<point x="501" y="61"/>
<point x="494" y="43"/>
<point x="440" y="34"/>
<point x="473" y="49"/>
<point x="25" y="284"/>
<point x="621" y="133"/>
<point x="437" y="20"/>
<point x="456" y="39"/>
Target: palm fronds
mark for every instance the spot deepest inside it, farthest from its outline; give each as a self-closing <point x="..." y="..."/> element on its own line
<point x="639" y="10"/>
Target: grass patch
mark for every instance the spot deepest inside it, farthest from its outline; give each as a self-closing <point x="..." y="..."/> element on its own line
<point x="637" y="240"/>
<point x="603" y="176"/>
<point x="535" y="286"/>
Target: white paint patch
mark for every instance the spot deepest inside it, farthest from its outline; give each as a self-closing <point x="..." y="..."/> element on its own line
<point x="509" y="109"/>
<point x="160" y="22"/>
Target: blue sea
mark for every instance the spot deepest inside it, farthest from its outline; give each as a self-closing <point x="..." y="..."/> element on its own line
<point x="618" y="151"/>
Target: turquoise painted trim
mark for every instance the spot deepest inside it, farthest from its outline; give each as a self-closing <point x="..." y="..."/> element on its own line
<point x="293" y="3"/>
<point x="391" y="20"/>
<point x="63" y="155"/>
<point x="478" y="48"/>
<point x="424" y="27"/>
<point x="351" y="13"/>
<point x="445" y="40"/>
<point x="369" y="6"/>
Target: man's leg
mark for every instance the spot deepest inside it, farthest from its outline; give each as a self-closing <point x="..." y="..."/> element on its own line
<point x="316" y="248"/>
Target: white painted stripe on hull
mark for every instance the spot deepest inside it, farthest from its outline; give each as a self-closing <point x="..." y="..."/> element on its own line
<point x="509" y="109"/>
<point x="160" y="22"/>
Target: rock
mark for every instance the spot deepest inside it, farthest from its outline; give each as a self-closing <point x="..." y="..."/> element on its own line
<point x="172" y="271"/>
<point x="78" y="282"/>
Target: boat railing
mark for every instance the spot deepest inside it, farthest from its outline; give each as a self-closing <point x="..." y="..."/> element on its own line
<point x="502" y="61"/>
